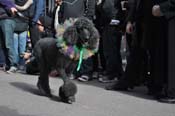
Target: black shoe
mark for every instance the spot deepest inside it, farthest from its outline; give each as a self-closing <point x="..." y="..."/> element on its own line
<point x="116" y="87"/>
<point x="167" y="99"/>
<point x="44" y="90"/>
<point x="159" y="95"/>
<point x="119" y="86"/>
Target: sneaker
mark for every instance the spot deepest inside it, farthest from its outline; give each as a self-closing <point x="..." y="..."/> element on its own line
<point x="95" y="75"/>
<point x="21" y="69"/>
<point x="5" y="67"/>
<point x="12" y="69"/>
<point x="2" y="67"/>
<point x="167" y="99"/>
<point x="83" y="78"/>
<point x="106" y="79"/>
<point x="71" y="76"/>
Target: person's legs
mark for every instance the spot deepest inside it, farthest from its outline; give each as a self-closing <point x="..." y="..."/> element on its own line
<point x="136" y="64"/>
<point x="111" y="49"/>
<point x="2" y="57"/>
<point x="170" y="90"/>
<point x="171" y="59"/>
<point x="7" y="26"/>
<point x="22" y="42"/>
<point x="86" y="70"/>
<point x="22" y="46"/>
<point x="16" y="46"/>
<point x="34" y="34"/>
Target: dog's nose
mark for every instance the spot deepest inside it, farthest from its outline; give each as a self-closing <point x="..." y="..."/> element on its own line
<point x="86" y="40"/>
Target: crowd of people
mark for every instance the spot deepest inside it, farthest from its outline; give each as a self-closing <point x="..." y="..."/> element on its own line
<point x="147" y="25"/>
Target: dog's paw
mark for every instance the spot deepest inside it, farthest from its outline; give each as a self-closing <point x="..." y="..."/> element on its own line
<point x="68" y="100"/>
<point x="71" y="99"/>
<point x="45" y="91"/>
<point x="67" y="92"/>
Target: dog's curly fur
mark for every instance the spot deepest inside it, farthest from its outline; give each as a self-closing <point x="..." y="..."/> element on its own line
<point x="82" y="34"/>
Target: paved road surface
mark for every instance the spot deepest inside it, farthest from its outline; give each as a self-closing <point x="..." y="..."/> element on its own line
<point x="19" y="97"/>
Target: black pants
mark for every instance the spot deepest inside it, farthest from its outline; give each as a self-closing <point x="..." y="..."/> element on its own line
<point x="86" y="68"/>
<point x="147" y="54"/>
<point x="158" y="55"/>
<point x="111" y="48"/>
<point x="136" y="68"/>
<point x="2" y="57"/>
<point x="171" y="59"/>
<point x="99" y="62"/>
<point x="34" y="34"/>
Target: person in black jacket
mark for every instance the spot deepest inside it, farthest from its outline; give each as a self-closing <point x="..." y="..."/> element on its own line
<point x="148" y="51"/>
<point x="111" y="36"/>
<point x="20" y="32"/>
<point x="36" y="10"/>
<point x="167" y="9"/>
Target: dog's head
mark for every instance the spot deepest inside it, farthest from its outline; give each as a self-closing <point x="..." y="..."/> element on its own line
<point x="82" y="33"/>
<point x="67" y="92"/>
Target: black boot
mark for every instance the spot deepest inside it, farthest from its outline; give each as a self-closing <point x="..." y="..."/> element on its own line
<point x="120" y="86"/>
<point x="167" y="99"/>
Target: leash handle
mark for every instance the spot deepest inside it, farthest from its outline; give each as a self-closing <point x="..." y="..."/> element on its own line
<point x="30" y="20"/>
<point x="80" y="60"/>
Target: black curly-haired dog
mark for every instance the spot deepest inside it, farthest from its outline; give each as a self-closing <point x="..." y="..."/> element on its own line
<point x="50" y="55"/>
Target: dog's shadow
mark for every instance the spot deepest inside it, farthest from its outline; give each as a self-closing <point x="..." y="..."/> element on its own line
<point x="33" y="90"/>
<point x="7" y="111"/>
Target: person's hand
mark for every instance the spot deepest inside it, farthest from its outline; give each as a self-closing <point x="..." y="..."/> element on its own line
<point x="129" y="27"/>
<point x="58" y="2"/>
<point x="40" y="27"/>
<point x="123" y="4"/>
<point x="13" y="10"/>
<point x="99" y="2"/>
<point x="26" y="55"/>
<point x="156" y="11"/>
<point x="114" y="22"/>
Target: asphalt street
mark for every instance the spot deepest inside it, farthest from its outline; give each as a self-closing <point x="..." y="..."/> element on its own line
<point x="19" y="96"/>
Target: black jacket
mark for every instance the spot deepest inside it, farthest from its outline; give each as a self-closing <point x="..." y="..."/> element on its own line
<point x="168" y="8"/>
<point x="146" y="25"/>
<point x="77" y="8"/>
<point x="107" y="10"/>
<point x="141" y="9"/>
<point x="4" y="11"/>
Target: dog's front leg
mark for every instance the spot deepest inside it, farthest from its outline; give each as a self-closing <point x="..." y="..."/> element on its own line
<point x="63" y="75"/>
<point x="43" y="81"/>
<point x="68" y="90"/>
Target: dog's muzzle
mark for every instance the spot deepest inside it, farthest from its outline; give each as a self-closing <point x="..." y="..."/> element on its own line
<point x="84" y="36"/>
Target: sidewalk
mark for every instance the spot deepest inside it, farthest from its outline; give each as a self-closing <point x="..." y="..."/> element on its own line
<point x="19" y="97"/>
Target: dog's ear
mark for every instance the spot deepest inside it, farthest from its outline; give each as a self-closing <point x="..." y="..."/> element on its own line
<point x="93" y="41"/>
<point x="70" y="35"/>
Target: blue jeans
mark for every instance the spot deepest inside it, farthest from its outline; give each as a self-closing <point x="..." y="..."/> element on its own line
<point x="2" y="59"/>
<point x="7" y="27"/>
<point x="20" y="45"/>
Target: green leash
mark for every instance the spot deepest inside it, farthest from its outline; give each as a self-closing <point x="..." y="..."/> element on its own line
<point x="80" y="60"/>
